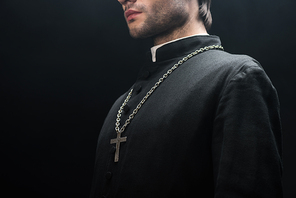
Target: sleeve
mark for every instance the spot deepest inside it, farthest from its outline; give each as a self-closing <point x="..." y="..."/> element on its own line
<point x="247" y="139"/>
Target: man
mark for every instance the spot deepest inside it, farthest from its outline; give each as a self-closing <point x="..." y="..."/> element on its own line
<point x="206" y="125"/>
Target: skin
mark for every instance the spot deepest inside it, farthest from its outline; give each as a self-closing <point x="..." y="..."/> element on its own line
<point x="163" y="20"/>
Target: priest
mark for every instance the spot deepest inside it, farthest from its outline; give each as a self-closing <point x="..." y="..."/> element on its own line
<point x="198" y="121"/>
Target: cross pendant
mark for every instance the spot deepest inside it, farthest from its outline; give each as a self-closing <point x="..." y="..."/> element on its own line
<point x="117" y="141"/>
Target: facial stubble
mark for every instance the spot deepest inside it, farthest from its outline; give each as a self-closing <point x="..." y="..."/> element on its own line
<point x="163" y="20"/>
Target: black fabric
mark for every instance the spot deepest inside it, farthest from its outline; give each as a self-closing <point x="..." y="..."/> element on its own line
<point x="211" y="129"/>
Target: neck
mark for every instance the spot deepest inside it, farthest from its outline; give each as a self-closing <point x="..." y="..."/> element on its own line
<point x="190" y="28"/>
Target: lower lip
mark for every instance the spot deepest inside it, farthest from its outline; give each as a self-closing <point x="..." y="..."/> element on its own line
<point x="132" y="16"/>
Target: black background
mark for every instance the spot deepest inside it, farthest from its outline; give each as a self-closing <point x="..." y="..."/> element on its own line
<point x="64" y="62"/>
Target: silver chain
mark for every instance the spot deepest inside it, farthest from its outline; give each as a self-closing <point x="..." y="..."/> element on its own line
<point x="135" y="111"/>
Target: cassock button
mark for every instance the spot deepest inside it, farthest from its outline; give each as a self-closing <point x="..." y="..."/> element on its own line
<point x="108" y="175"/>
<point x="145" y="74"/>
<point x="138" y="88"/>
<point x="126" y="108"/>
<point x="113" y="149"/>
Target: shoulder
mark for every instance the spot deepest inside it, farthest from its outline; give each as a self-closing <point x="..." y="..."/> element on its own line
<point x="228" y="66"/>
<point x="229" y="62"/>
<point x="218" y="69"/>
<point x="241" y="72"/>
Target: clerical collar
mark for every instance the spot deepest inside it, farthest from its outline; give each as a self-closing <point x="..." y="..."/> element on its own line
<point x="155" y="48"/>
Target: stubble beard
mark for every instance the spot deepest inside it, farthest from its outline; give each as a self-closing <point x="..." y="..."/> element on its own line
<point x="162" y="22"/>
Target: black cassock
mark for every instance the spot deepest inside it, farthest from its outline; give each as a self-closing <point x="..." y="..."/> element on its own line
<point x="211" y="129"/>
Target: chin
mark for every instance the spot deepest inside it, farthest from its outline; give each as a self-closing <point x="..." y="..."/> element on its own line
<point x="136" y="34"/>
<point x="140" y="33"/>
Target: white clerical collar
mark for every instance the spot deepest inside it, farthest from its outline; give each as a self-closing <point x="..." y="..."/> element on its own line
<point x="154" y="48"/>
